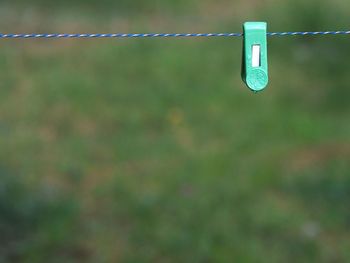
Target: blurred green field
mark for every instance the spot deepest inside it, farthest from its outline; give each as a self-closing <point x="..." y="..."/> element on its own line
<point x="153" y="150"/>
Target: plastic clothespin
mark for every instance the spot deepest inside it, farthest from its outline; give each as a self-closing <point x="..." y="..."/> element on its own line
<point x="254" y="61"/>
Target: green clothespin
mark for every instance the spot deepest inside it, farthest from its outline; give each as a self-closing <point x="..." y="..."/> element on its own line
<point x="254" y="62"/>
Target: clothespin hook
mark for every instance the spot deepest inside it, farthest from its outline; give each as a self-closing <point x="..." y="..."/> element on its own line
<point x="254" y="61"/>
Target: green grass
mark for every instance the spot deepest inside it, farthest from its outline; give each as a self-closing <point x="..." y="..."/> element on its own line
<point x="155" y="151"/>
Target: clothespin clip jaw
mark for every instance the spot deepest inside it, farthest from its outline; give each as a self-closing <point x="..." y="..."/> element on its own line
<point x="254" y="61"/>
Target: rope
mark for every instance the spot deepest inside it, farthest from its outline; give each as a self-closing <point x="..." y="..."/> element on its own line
<point x="322" y="33"/>
<point x="153" y="35"/>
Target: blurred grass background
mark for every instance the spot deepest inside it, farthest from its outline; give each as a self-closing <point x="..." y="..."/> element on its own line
<point x="152" y="150"/>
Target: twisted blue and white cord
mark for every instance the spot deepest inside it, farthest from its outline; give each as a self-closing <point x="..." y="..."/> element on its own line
<point x="167" y="35"/>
